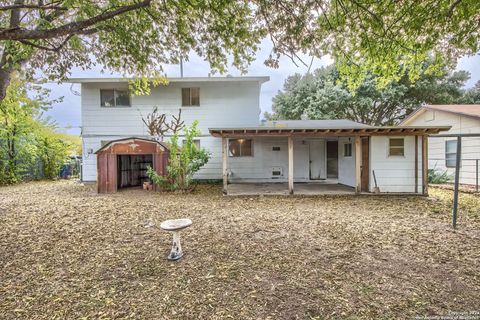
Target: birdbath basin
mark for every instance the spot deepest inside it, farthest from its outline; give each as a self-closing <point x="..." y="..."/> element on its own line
<point x="174" y="226"/>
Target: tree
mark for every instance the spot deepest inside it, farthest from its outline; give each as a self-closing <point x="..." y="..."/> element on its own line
<point x="183" y="162"/>
<point x="29" y="145"/>
<point x="157" y="124"/>
<point x="136" y="37"/>
<point x="385" y="38"/>
<point x="322" y="95"/>
<point x="128" y="36"/>
<point x="472" y="95"/>
<point x="17" y="114"/>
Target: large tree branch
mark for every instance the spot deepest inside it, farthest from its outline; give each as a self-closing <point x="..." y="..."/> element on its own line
<point x="48" y="6"/>
<point x="69" y="28"/>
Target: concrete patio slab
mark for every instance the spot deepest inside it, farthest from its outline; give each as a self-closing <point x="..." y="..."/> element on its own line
<point x="252" y="189"/>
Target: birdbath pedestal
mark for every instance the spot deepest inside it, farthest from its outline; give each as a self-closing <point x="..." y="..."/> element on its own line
<point x="174" y="226"/>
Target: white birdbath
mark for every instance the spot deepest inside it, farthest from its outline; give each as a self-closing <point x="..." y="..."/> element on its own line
<point x="175" y="226"/>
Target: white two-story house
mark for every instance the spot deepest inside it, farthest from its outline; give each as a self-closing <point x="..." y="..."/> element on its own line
<point x="243" y="150"/>
<point x="109" y="113"/>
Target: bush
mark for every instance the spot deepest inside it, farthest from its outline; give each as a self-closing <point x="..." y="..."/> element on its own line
<point x="30" y="146"/>
<point x="183" y="162"/>
<point x="438" y="177"/>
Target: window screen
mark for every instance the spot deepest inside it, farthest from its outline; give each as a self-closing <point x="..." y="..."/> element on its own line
<point x="114" y="98"/>
<point x="107" y="98"/>
<point x="347" y="150"/>
<point x="450" y="153"/>
<point x="396" y="147"/>
<point x="190" y="97"/>
<point x="122" y="98"/>
<point x="240" y="147"/>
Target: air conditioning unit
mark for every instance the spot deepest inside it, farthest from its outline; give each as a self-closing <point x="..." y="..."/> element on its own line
<point x="277" y="172"/>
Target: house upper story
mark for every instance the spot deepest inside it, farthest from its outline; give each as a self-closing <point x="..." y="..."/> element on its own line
<point x="463" y="118"/>
<point x="108" y="109"/>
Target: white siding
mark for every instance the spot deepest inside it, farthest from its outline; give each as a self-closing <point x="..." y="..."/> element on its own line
<point x="436" y="146"/>
<point x="258" y="168"/>
<point x="222" y="104"/>
<point x="394" y="173"/>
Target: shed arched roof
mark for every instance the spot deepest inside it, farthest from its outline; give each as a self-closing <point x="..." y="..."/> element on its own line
<point x="111" y="143"/>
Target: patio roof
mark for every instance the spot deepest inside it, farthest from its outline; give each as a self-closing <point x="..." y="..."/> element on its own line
<point x="301" y="131"/>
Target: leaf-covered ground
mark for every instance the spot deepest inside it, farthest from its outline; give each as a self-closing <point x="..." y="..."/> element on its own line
<point x="67" y="252"/>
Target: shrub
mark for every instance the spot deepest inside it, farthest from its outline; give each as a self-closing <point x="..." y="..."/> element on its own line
<point x="437" y="177"/>
<point x="183" y="162"/>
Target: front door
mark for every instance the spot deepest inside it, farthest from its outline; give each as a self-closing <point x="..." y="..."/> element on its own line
<point x="317" y="159"/>
<point x="332" y="159"/>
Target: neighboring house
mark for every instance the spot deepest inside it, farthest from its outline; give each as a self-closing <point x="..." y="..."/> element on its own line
<point x="307" y="152"/>
<point x="442" y="151"/>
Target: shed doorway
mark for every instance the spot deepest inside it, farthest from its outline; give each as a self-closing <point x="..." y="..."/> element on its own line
<point x="332" y="159"/>
<point x="123" y="163"/>
<point x="132" y="169"/>
<point x="317" y="159"/>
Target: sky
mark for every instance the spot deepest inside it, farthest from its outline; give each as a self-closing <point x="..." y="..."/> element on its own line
<point x="67" y="113"/>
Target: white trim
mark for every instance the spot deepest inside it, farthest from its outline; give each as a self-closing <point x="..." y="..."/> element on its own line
<point x="260" y="79"/>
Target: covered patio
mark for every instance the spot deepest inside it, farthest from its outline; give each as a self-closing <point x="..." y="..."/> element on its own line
<point x="359" y="173"/>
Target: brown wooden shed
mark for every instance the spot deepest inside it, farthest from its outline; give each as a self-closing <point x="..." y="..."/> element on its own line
<point x="123" y="163"/>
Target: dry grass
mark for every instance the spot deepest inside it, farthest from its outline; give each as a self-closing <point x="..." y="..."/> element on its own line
<point x="67" y="252"/>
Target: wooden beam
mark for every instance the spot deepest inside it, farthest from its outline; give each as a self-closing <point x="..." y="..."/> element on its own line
<point x="358" y="164"/>
<point x="225" y="164"/>
<point x="425" y="165"/>
<point x="290" y="165"/>
<point x="416" y="164"/>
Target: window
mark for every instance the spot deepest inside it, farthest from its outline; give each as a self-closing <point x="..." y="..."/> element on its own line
<point x="190" y="97"/>
<point x="196" y="142"/>
<point x="450" y="153"/>
<point x="114" y="98"/>
<point x="396" y="147"/>
<point x="240" y="148"/>
<point x="347" y="150"/>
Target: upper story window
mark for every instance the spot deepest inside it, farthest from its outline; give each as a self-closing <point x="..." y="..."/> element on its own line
<point x="190" y="97"/>
<point x="397" y="147"/>
<point x="114" y="98"/>
<point x="347" y="150"/>
<point x="240" y="147"/>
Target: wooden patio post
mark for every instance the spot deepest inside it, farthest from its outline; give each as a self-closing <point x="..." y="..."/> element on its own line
<point x="358" y="164"/>
<point x="225" y="164"/>
<point x="416" y="164"/>
<point x="425" y="165"/>
<point x="290" y="165"/>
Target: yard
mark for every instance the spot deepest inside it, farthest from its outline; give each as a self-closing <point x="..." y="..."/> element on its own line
<point x="68" y="252"/>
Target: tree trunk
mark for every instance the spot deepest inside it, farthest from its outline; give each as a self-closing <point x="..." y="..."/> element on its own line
<point x="5" y="74"/>
<point x="7" y="63"/>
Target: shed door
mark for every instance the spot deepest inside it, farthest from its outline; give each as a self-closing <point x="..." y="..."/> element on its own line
<point x="107" y="173"/>
<point x="317" y="160"/>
